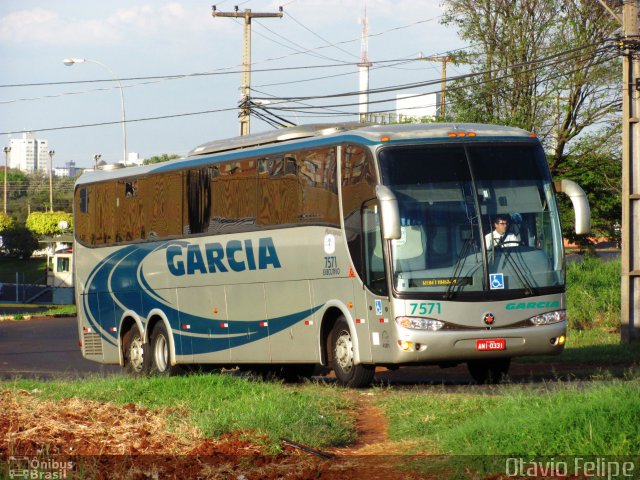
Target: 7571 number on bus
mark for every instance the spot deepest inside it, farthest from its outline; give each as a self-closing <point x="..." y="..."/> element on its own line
<point x="424" y="308"/>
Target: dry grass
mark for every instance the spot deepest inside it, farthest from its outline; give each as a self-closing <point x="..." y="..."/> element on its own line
<point x="106" y="440"/>
<point x="84" y="427"/>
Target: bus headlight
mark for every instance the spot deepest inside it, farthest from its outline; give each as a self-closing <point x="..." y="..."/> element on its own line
<point x="549" y="317"/>
<point x="419" y="323"/>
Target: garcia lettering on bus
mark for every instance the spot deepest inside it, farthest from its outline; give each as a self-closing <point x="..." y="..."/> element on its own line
<point x="528" y="305"/>
<point x="236" y="256"/>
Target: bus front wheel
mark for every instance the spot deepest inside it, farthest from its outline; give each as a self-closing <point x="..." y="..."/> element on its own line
<point x="490" y="370"/>
<point x="135" y="352"/>
<point x="160" y="348"/>
<point x="347" y="372"/>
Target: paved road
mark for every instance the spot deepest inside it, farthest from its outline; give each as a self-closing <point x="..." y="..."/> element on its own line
<point x="44" y="349"/>
<point x="48" y="348"/>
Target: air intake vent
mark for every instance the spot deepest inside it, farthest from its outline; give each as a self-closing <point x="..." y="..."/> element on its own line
<point x="92" y="345"/>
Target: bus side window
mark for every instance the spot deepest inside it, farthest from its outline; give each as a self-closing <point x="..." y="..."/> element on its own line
<point x="84" y="200"/>
<point x="278" y="191"/>
<point x="317" y="176"/>
<point x="198" y="185"/>
<point x="234" y="195"/>
<point x="83" y="221"/>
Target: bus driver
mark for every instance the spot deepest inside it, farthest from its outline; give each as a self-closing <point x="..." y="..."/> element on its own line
<point x="499" y="236"/>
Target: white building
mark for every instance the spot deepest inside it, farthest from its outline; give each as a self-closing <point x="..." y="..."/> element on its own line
<point x="134" y="158"/>
<point x="28" y="154"/>
<point x="69" y="170"/>
<point x="417" y="106"/>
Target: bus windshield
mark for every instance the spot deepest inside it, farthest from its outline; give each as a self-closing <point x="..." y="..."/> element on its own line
<point x="474" y="219"/>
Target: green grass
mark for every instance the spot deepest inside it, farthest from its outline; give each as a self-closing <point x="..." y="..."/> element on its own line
<point x="563" y="419"/>
<point x="592" y="346"/>
<point x="31" y="270"/>
<point x="593" y="294"/>
<point x="19" y="311"/>
<point x="315" y="415"/>
<point x="69" y="310"/>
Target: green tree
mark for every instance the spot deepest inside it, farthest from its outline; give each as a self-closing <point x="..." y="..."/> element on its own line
<point x="161" y="158"/>
<point x="19" y="242"/>
<point x="597" y="168"/>
<point x="574" y="89"/>
<point x="47" y="223"/>
<point x="7" y="222"/>
<point x="17" y="183"/>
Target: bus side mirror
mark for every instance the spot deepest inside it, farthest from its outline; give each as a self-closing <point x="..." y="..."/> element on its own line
<point x="389" y="213"/>
<point x="580" y="204"/>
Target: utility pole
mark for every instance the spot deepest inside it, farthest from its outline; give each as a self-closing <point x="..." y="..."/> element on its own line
<point x="443" y="79"/>
<point x="630" y="256"/>
<point x="248" y="15"/>
<point x="51" y="154"/>
<point x="7" y="150"/>
<point x="363" y="67"/>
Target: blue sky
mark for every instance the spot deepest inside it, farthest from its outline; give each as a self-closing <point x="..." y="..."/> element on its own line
<point x="160" y="38"/>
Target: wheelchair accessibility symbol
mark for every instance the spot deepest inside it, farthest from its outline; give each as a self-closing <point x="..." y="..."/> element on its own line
<point x="378" y="307"/>
<point x="496" y="281"/>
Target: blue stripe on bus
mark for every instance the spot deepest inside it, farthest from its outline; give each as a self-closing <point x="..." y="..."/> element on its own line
<point x="117" y="282"/>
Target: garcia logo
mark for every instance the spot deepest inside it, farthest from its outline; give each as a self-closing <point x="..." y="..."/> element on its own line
<point x="214" y="257"/>
<point x="524" y="306"/>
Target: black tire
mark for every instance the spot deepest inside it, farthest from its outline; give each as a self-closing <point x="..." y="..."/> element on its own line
<point x="159" y="348"/>
<point x="342" y="359"/>
<point x="135" y="352"/>
<point x="490" y="371"/>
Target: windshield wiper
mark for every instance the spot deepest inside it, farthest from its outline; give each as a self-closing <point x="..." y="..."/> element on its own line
<point x="457" y="271"/>
<point x="529" y="290"/>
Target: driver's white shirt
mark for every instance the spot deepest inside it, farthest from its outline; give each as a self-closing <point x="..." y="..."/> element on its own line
<point x="493" y="238"/>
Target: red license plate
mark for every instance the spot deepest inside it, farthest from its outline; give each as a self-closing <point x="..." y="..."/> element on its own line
<point x="491" y="344"/>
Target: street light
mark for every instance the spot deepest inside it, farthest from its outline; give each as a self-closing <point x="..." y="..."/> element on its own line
<point x="6" y="173"/>
<point x="71" y="61"/>
<point x="51" y="154"/>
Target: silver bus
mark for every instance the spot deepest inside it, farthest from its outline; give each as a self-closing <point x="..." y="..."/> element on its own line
<point x="346" y="246"/>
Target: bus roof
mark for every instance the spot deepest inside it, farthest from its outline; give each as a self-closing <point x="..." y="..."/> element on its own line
<point x="299" y="135"/>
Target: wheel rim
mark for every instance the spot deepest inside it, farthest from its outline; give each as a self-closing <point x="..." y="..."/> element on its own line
<point x="136" y="355"/>
<point x="161" y="353"/>
<point x="344" y="352"/>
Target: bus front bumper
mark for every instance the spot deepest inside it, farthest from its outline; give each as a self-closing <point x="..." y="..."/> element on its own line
<point x="461" y="345"/>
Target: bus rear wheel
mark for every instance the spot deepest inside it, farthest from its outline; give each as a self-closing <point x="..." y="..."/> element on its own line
<point x="490" y="371"/>
<point x="347" y="372"/>
<point x="135" y="352"/>
<point x="160" y="348"/>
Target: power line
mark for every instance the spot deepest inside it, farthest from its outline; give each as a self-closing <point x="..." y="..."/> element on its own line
<point x="118" y="122"/>
<point x="304" y="109"/>
<point x="105" y="89"/>
<point x="221" y="71"/>
<point x="304" y="50"/>
<point x="431" y="82"/>
<point x="320" y="37"/>
<point x="324" y="77"/>
<point x="388" y="89"/>
<point x="226" y="70"/>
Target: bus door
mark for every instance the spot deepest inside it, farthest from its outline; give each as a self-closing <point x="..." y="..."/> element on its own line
<point x="374" y="279"/>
